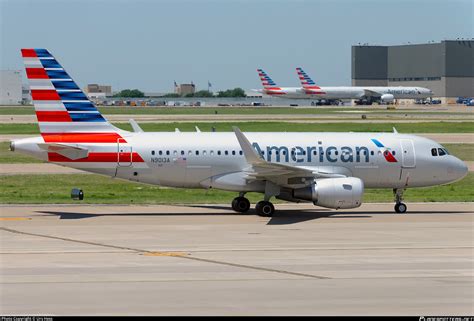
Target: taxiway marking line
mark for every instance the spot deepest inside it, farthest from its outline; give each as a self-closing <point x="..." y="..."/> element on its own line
<point x="144" y="252"/>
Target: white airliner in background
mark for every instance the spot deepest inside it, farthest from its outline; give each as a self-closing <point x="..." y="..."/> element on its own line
<point x="384" y="94"/>
<point x="328" y="169"/>
<point x="309" y="89"/>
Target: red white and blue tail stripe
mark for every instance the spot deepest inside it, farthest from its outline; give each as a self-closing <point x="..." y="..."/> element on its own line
<point x="269" y="86"/>
<point x="308" y="84"/>
<point x="266" y="80"/>
<point x="63" y="111"/>
<point x="68" y="120"/>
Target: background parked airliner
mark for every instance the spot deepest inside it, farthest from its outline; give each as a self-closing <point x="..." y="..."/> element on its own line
<point x="384" y="94"/>
<point x="309" y="89"/>
<point x="329" y="169"/>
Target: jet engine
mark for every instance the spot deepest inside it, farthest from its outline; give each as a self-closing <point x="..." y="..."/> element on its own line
<point x="343" y="192"/>
<point x="387" y="98"/>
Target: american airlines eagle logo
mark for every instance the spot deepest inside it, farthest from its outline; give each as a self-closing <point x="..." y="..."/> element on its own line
<point x="385" y="151"/>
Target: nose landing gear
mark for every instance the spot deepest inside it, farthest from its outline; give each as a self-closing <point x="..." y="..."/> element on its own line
<point x="399" y="206"/>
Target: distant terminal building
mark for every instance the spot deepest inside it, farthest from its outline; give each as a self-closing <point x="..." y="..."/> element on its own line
<point x="10" y="87"/>
<point x="447" y="68"/>
<point x="25" y="95"/>
<point x="184" y="89"/>
<point x="98" y="91"/>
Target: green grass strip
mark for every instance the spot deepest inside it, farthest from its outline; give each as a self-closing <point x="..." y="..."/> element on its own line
<point x="55" y="189"/>
<point x="424" y="127"/>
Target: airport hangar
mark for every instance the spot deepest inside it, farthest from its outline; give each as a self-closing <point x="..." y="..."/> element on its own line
<point x="447" y="68"/>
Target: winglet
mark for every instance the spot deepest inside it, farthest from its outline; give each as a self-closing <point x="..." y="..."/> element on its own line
<point x="250" y="153"/>
<point x="197" y="129"/>
<point x="135" y="126"/>
<point x="395" y="131"/>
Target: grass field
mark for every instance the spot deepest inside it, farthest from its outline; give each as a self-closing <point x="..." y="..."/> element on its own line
<point x="423" y="127"/>
<point x="461" y="151"/>
<point x="55" y="189"/>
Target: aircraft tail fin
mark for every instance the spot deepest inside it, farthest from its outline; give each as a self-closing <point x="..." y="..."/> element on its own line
<point x="305" y="80"/>
<point x="64" y="112"/>
<point x="267" y="82"/>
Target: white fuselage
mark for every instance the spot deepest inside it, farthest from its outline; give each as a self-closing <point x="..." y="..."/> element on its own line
<point x="215" y="160"/>
<point x="353" y="92"/>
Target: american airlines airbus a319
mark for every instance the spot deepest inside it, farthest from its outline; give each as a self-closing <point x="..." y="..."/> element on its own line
<point x="328" y="169"/>
<point x="309" y="89"/>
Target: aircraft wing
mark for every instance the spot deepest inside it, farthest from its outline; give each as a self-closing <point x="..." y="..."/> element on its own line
<point x="276" y="172"/>
<point x="372" y="93"/>
<point x="71" y="152"/>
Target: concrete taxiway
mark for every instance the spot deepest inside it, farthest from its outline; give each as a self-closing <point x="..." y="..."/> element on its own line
<point x="207" y="260"/>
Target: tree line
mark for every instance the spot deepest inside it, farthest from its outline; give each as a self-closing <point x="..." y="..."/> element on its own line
<point x="135" y="93"/>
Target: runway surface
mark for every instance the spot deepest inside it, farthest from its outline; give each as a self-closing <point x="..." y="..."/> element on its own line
<point x="207" y="260"/>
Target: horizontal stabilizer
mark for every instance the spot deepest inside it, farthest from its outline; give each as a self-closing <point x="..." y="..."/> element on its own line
<point x="71" y="152"/>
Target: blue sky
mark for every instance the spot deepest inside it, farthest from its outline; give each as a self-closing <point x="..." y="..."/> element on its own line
<point x="148" y="44"/>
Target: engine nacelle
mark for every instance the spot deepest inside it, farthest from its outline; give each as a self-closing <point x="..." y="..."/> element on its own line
<point x="344" y="192"/>
<point x="387" y="98"/>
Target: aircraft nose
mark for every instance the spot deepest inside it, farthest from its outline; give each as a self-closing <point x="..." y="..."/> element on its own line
<point x="457" y="169"/>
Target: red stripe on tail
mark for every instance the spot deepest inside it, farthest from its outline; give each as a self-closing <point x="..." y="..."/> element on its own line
<point x="53" y="116"/>
<point x="42" y="94"/>
<point x="81" y="137"/>
<point x="28" y="53"/>
<point x="36" y="73"/>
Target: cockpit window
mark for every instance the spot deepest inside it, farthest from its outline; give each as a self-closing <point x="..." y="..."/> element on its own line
<point x="441" y="152"/>
<point x="434" y="152"/>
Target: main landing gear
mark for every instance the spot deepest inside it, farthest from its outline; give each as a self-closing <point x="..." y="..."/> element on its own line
<point x="265" y="208"/>
<point x="399" y="206"/>
<point x="242" y="205"/>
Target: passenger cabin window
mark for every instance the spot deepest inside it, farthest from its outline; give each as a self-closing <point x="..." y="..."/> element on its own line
<point x="218" y="152"/>
<point x="160" y="152"/>
<point x="434" y="152"/>
<point x="233" y="152"/>
<point x="167" y="152"/>
<point x="153" y="152"/>
<point x="441" y="152"/>
<point x="240" y="152"/>
<point x="226" y="152"/>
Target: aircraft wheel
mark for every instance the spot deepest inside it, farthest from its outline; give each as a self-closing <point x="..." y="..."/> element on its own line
<point x="400" y="208"/>
<point x="240" y="204"/>
<point x="265" y="208"/>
